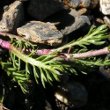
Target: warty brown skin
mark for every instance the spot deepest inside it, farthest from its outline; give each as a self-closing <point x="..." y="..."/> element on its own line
<point x="41" y="32"/>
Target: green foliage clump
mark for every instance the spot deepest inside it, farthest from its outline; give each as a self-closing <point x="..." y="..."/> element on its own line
<point x="47" y="68"/>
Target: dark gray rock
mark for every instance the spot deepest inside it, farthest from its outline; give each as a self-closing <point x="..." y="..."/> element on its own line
<point x="40" y="9"/>
<point x="78" y="22"/>
<point x="71" y="94"/>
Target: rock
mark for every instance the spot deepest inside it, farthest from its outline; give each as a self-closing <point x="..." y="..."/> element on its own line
<point x="3" y="107"/>
<point x="71" y="94"/>
<point x="85" y="3"/>
<point x="105" y="7"/>
<point x="12" y="17"/>
<point x="79" y="22"/>
<point x="107" y="21"/>
<point x="41" y="9"/>
<point x="105" y="71"/>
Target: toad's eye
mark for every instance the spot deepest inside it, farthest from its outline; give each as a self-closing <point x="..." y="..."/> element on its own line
<point x="27" y="36"/>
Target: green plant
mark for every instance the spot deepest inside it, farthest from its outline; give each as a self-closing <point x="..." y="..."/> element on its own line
<point x="23" y="62"/>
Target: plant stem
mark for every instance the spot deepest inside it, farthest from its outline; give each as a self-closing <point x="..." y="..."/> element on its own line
<point x="27" y="59"/>
<point x="7" y="45"/>
<point x="77" y="55"/>
<point x="89" y="53"/>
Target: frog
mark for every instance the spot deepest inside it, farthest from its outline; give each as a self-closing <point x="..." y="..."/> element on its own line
<point x="45" y="32"/>
<point x="40" y="32"/>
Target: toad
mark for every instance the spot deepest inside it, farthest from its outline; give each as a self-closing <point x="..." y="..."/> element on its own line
<point x="41" y="32"/>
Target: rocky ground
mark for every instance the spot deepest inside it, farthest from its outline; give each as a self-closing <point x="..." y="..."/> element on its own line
<point x="70" y="18"/>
